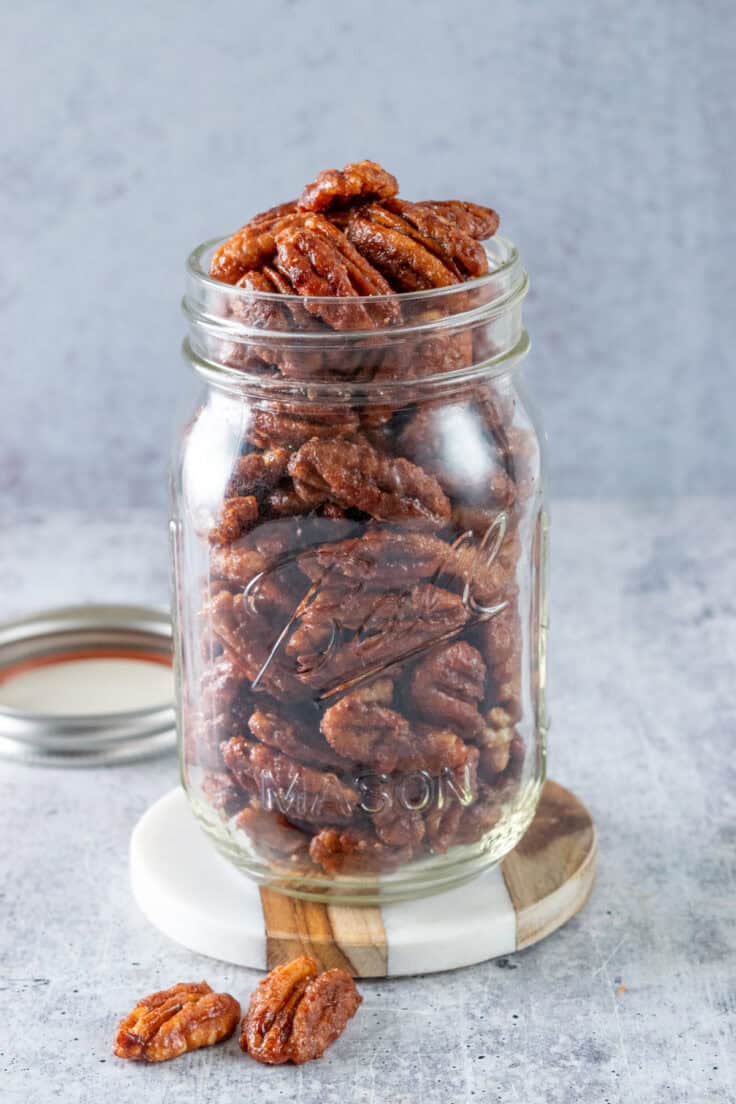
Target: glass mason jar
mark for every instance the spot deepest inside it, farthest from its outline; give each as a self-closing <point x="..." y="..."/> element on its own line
<point x="359" y="540"/>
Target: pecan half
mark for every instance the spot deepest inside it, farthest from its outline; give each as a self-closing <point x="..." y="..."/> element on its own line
<point x="271" y="831"/>
<point x="380" y="557"/>
<point x="293" y="739"/>
<point x="335" y="188"/>
<point x="355" y="851"/>
<point x="258" y="472"/>
<point x="388" y="243"/>
<point x="472" y="218"/>
<point x="293" y="425"/>
<point x="300" y="792"/>
<point x="363" y="727"/>
<point x="238" y="515"/>
<point x="495" y="743"/>
<point x="319" y="261"/>
<point x="462" y="254"/>
<point x="169" y="1023"/>
<point x="447" y="686"/>
<point x="252" y="245"/>
<point x="357" y="475"/>
<point x="295" y="1012"/>
<point x="399" y="625"/>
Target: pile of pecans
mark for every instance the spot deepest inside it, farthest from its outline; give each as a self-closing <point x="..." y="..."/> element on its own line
<point x="361" y="625"/>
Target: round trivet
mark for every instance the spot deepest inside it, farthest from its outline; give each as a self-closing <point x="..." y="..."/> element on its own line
<point x="194" y="895"/>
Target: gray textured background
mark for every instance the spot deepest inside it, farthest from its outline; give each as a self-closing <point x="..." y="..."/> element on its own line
<point x="602" y="132"/>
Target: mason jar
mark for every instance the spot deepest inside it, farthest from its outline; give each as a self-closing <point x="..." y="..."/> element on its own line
<point x="359" y="543"/>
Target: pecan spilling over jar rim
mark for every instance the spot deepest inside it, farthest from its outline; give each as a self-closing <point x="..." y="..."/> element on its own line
<point x="296" y="1012"/>
<point x="173" y="1021"/>
<point x="334" y="188"/>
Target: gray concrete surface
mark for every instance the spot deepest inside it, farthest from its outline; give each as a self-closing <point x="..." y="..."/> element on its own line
<point x="633" y="1001"/>
<point x="602" y="132"/>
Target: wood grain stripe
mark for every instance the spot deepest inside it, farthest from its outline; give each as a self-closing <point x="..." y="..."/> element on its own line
<point x="351" y="938"/>
<point x="550" y="873"/>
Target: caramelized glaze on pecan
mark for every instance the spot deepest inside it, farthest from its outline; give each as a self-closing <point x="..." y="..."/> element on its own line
<point x="296" y="1012"/>
<point x="169" y="1023"/>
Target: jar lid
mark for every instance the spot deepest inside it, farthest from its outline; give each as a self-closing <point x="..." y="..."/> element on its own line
<point x="87" y="686"/>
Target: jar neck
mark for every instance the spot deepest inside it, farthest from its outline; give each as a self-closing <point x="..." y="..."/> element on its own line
<point x="246" y="341"/>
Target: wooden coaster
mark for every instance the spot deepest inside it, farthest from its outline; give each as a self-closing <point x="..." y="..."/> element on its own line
<point x="196" y="897"/>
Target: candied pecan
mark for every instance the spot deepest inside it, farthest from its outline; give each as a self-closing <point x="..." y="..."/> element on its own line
<point x="398" y="827"/>
<point x="321" y="619"/>
<point x="449" y="441"/>
<point x="448" y="684"/>
<point x="252" y="640"/>
<point x="296" y="1012"/>
<point x="379" y="557"/>
<point x="363" y="727"/>
<point x="388" y="243"/>
<point x="441" y="825"/>
<point x="334" y="188"/>
<point x="486" y="582"/>
<point x="433" y="750"/>
<point x="293" y="739"/>
<point x="235" y="564"/>
<point x="169" y="1023"/>
<point x="252" y="245"/>
<point x="459" y="790"/>
<point x="480" y="817"/>
<point x="303" y="793"/>
<point x="462" y="254"/>
<point x="495" y="743"/>
<point x="258" y="472"/>
<point x="292" y="426"/>
<point x="223" y="793"/>
<point x="357" y="475"/>
<point x="355" y="851"/>
<point x="271" y="831"/>
<point x="238" y="515"/>
<point x="398" y="626"/>
<point x="320" y="262"/>
<point x="473" y="219"/>
<point x="501" y="635"/>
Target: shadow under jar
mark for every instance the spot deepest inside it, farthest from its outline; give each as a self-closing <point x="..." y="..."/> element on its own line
<point x="359" y="541"/>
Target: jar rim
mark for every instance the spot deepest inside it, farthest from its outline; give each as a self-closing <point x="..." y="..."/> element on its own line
<point x="506" y="262"/>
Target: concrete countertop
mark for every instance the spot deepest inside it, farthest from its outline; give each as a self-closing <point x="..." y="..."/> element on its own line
<point x="633" y="1001"/>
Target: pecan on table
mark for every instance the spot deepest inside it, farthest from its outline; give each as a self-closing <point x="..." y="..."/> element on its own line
<point x="169" y="1023"/>
<point x="358" y="476"/>
<point x="448" y="685"/>
<point x="335" y="188"/>
<point x="296" y="1012"/>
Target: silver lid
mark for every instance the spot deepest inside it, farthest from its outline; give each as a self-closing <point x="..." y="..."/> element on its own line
<point x="70" y="634"/>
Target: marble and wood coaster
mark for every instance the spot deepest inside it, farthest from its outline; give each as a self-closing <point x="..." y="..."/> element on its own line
<point x="197" y="898"/>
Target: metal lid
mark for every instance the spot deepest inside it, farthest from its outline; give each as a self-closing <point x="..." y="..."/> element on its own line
<point x="64" y="703"/>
